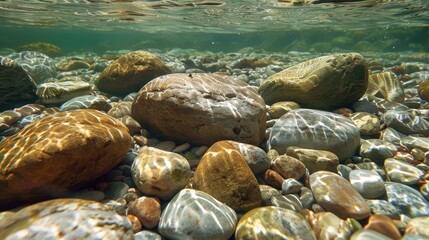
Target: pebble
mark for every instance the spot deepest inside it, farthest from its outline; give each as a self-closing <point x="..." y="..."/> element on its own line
<point x="273" y="178"/>
<point x="306" y="198"/>
<point x="406" y="122"/>
<point x="147" y="235"/>
<point x="267" y="192"/>
<point x="367" y="123"/>
<point x="193" y="214"/>
<point x="288" y="201"/>
<point x="120" y="110"/>
<point x="147" y="210"/>
<point x="387" y="84"/>
<point x="368" y="183"/>
<point x="391" y="135"/>
<point x="377" y="150"/>
<point x="288" y="167"/>
<point x="72" y="218"/>
<point x="86" y="102"/>
<point x="279" y="109"/>
<point x="402" y="172"/>
<point x="418" y="228"/>
<point x="166" y="146"/>
<point x="328" y="226"/>
<point x="366" y="234"/>
<point x="115" y="190"/>
<point x="291" y="185"/>
<point x="415" y="142"/>
<point x="135" y="223"/>
<point x="255" y="157"/>
<point x="273" y="223"/>
<point x="182" y="148"/>
<point x="315" y="160"/>
<point x="132" y="125"/>
<point x="424" y="189"/>
<point x="383" y="225"/>
<point x="224" y="174"/>
<point x="10" y="117"/>
<point x="338" y="196"/>
<point x="407" y="200"/>
<point x="383" y="207"/>
<point x="314" y="129"/>
<point x="160" y="173"/>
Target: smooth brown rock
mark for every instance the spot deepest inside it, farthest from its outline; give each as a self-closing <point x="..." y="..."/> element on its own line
<point x="60" y="152"/>
<point x="147" y="210"/>
<point x="315" y="160"/>
<point x="279" y="109"/>
<point x="384" y="225"/>
<point x="224" y="174"/>
<point x="337" y="195"/>
<point x="130" y="72"/>
<point x="201" y="109"/>
<point x="288" y="167"/>
<point x="273" y="178"/>
<point x="323" y="83"/>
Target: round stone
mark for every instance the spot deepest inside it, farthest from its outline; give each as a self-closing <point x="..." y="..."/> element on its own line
<point x="328" y="226"/>
<point x="315" y="160"/>
<point x="407" y="122"/>
<point x="147" y="235"/>
<point x="289" y="201"/>
<point x="415" y="142"/>
<point x="193" y="214"/>
<point x="407" y="200"/>
<point x="384" y="225"/>
<point x="86" y="102"/>
<point x="279" y="109"/>
<point x="147" y="210"/>
<point x="418" y="227"/>
<point x="68" y="219"/>
<point x="387" y="85"/>
<point x="377" y="150"/>
<point x="288" y="167"/>
<point x="314" y="129"/>
<point x="121" y="109"/>
<point x="368" y="183"/>
<point x="402" y="172"/>
<point x="273" y="223"/>
<point x="63" y="151"/>
<point x="383" y="207"/>
<point x="130" y="72"/>
<point x="337" y="195"/>
<point x="201" y="109"/>
<point x="367" y="123"/>
<point x="256" y="157"/>
<point x="116" y="190"/>
<point x="291" y="185"/>
<point x="160" y="173"/>
<point x="324" y="83"/>
<point x="224" y="174"/>
<point x="391" y="135"/>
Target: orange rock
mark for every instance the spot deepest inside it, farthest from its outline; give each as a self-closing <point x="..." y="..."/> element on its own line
<point x="147" y="210"/>
<point x="60" y="152"/>
<point x="384" y="225"/>
<point x="224" y="174"/>
<point x="273" y="178"/>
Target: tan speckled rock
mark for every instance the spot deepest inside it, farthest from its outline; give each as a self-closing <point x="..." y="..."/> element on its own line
<point x="160" y="173"/>
<point x="66" y="219"/>
<point x="367" y="123"/>
<point x="324" y="83"/>
<point x="201" y="109"/>
<point x="337" y="195"/>
<point x="288" y="167"/>
<point x="224" y="174"/>
<point x="130" y="72"/>
<point x="59" y="152"/>
<point x="147" y="210"/>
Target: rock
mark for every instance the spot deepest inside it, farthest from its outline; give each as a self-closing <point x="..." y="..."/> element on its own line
<point x="288" y="167"/>
<point x="418" y="227"/>
<point x="46" y="48"/>
<point x="10" y="117"/>
<point x="377" y="150"/>
<point x="267" y="192"/>
<point x="328" y="226"/>
<point x="62" y="151"/>
<point x="160" y="173"/>
<point x="315" y="160"/>
<point x="291" y="185"/>
<point x="423" y="90"/>
<point x="116" y="190"/>
<point x="70" y="65"/>
<point x="273" y="178"/>
<point x="147" y="210"/>
<point x="279" y="109"/>
<point x="147" y="235"/>
<point x="383" y="207"/>
<point x="407" y="122"/>
<point x="60" y="92"/>
<point x="365" y="234"/>
<point x="407" y="200"/>
<point x="368" y="183"/>
<point x="314" y="129"/>
<point x="68" y="219"/>
<point x="387" y="85"/>
<point x="86" y="102"/>
<point x="135" y="223"/>
<point x="367" y="123"/>
<point x="224" y="174"/>
<point x="130" y="72"/>
<point x="166" y="146"/>
<point x="289" y="201"/>
<point x="402" y="172"/>
<point x="337" y="195"/>
<point x="201" y="217"/>
<point x="273" y="223"/>
<point x="121" y="109"/>
<point x="132" y="125"/>
<point x="39" y="66"/>
<point x="383" y="225"/>
<point x="256" y="157"/>
<point x="415" y="142"/>
<point x="30" y="109"/>
<point x="392" y="136"/>
<point x="323" y="83"/>
<point x="201" y="109"/>
<point x="17" y="87"/>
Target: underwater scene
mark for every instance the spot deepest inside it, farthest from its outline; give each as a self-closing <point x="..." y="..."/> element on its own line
<point x="214" y="119"/>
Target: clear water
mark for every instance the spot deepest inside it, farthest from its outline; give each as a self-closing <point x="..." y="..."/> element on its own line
<point x="271" y="25"/>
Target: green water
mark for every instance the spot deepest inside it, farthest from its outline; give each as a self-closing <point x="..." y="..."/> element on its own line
<point x="99" y="26"/>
